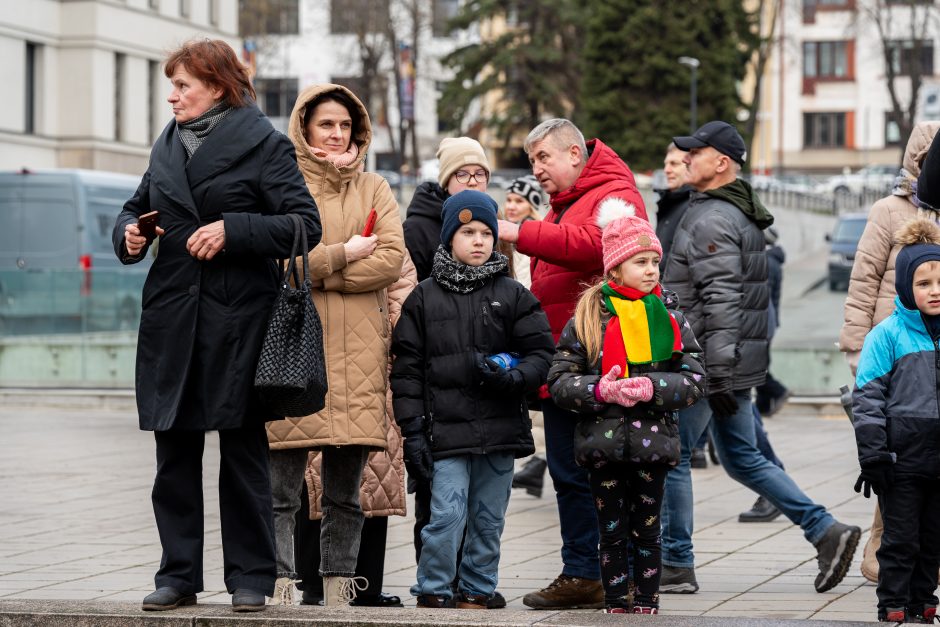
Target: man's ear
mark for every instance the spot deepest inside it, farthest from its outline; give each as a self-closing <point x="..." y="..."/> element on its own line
<point x="724" y="162"/>
<point x="574" y="154"/>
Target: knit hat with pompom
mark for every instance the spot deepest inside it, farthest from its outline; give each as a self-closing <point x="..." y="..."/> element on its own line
<point x="624" y="233"/>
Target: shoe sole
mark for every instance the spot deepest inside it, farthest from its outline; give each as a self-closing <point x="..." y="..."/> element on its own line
<point x="248" y="608"/>
<point x="156" y="607"/>
<point x="579" y="606"/>
<point x="841" y="566"/>
<point x="679" y="588"/>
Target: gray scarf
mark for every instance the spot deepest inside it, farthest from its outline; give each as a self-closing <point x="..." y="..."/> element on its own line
<point x="194" y="132"/>
<point x="461" y="278"/>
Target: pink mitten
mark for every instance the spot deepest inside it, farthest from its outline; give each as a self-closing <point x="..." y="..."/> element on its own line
<point x="625" y="392"/>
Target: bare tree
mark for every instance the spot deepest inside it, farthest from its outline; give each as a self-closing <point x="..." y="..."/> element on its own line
<point x="766" y="17"/>
<point x="904" y="56"/>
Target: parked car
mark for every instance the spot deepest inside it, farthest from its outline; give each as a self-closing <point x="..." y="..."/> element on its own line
<point x="58" y="270"/>
<point x="843" y="243"/>
<point x="788" y="182"/>
<point x="873" y="178"/>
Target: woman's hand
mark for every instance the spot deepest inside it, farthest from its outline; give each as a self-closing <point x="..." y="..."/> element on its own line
<point x="134" y="242"/>
<point x="207" y="241"/>
<point x="359" y="247"/>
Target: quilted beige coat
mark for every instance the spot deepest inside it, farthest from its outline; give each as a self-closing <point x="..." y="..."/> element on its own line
<point x="382" y="491"/>
<point x="352" y="300"/>
<point x="871" y="287"/>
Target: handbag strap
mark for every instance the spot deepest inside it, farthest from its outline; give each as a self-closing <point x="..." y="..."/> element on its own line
<point x="300" y="239"/>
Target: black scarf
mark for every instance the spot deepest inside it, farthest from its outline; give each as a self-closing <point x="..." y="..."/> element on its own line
<point x="194" y="132"/>
<point x="461" y="278"/>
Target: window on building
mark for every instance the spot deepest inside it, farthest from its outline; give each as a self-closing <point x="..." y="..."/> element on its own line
<point x="32" y="54"/>
<point x="120" y="61"/>
<point x="810" y="7"/>
<point x="911" y="57"/>
<point x="269" y="17"/>
<point x="153" y="121"/>
<point x="892" y="129"/>
<point x="276" y="96"/>
<point x="155" y="4"/>
<point x="442" y="11"/>
<point x="214" y="12"/>
<point x="826" y="60"/>
<point x="824" y="130"/>
<point x="358" y="16"/>
<point x="184" y="8"/>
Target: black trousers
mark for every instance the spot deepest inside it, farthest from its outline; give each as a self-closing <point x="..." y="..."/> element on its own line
<point x="244" y="505"/>
<point x="910" y="548"/>
<point x="371" y="562"/>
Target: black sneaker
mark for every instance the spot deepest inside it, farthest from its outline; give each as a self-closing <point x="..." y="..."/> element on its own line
<point x="531" y="477"/>
<point x="167" y="598"/>
<point x="834" y="554"/>
<point x="496" y="602"/>
<point x="698" y="459"/>
<point x="762" y="511"/>
<point x="678" y="580"/>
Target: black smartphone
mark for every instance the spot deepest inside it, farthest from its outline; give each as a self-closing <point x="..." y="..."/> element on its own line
<point x="147" y="224"/>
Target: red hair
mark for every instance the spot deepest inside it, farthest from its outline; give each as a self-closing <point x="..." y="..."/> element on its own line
<point x="214" y="63"/>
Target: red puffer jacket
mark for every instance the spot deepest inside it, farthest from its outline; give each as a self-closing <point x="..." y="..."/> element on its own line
<point x="565" y="247"/>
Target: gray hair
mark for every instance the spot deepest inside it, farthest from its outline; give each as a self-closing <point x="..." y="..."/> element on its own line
<point x="563" y="134"/>
<point x="672" y="146"/>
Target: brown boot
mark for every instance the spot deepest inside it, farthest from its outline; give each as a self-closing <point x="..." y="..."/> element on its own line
<point x="471" y="601"/>
<point x="567" y="593"/>
<point x="869" y="561"/>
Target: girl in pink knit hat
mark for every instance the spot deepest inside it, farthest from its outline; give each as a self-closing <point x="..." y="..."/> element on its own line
<point x="625" y="363"/>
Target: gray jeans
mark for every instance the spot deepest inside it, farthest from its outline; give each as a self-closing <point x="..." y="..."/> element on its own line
<point x="341" y="473"/>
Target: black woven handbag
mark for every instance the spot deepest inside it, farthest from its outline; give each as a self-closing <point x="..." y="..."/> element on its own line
<point x="291" y="374"/>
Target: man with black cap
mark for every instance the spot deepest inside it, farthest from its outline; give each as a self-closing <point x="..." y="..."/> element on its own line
<point x="718" y="268"/>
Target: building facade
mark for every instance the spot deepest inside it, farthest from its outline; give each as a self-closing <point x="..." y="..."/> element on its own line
<point x="296" y="43"/>
<point x="825" y="104"/>
<point x="86" y="77"/>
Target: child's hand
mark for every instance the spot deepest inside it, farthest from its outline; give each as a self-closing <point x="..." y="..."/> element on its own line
<point x="626" y="392"/>
<point x="497" y="378"/>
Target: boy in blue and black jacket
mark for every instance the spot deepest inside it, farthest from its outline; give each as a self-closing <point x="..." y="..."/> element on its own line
<point x="896" y="405"/>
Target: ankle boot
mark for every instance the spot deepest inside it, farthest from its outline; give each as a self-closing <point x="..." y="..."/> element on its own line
<point x="339" y="591"/>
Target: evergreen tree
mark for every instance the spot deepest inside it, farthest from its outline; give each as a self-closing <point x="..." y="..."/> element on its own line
<point x="528" y="71"/>
<point x="635" y="94"/>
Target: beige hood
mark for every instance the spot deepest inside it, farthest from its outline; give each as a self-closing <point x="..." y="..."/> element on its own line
<point x="310" y="164"/>
<point x="917" y="145"/>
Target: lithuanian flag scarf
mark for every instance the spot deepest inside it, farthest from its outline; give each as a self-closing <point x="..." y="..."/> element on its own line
<point x="641" y="331"/>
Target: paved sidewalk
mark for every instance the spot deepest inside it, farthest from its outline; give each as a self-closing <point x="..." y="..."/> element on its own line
<point x="76" y="523"/>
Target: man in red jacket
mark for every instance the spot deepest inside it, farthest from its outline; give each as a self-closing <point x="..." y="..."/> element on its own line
<point x="565" y="251"/>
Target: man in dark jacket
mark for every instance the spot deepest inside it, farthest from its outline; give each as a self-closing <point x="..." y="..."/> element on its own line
<point x="566" y="254"/>
<point x="674" y="200"/>
<point x="718" y="268"/>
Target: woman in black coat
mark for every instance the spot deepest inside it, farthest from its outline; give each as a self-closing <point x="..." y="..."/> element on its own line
<point x="224" y="183"/>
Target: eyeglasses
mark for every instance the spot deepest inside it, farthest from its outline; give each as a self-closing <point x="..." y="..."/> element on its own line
<point x="463" y="177"/>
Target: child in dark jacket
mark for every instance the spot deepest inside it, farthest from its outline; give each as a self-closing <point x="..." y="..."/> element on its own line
<point x="626" y="363"/>
<point x="897" y="428"/>
<point x="463" y="414"/>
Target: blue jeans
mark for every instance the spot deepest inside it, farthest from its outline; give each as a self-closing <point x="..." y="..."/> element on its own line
<point x="763" y="442"/>
<point x="736" y="443"/>
<point x="467" y="492"/>
<point x="577" y="516"/>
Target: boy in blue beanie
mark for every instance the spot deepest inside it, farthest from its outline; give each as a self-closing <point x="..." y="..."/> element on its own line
<point x="896" y="406"/>
<point x="462" y="413"/>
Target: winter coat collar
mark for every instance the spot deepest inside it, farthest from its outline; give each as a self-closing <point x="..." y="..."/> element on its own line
<point x="239" y="133"/>
<point x="740" y="194"/>
<point x="603" y="165"/>
<point x="428" y="200"/>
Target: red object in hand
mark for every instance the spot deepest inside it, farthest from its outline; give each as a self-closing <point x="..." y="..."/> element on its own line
<point x="370" y="223"/>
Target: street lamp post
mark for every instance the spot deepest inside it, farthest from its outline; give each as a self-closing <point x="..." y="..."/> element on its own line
<point x="693" y="64"/>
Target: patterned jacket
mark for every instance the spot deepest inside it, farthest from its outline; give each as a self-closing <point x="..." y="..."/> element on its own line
<point x="647" y="433"/>
<point x="896" y="401"/>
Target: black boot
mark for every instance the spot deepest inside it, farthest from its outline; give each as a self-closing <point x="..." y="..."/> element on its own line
<point x="531" y="476"/>
<point x="762" y="511"/>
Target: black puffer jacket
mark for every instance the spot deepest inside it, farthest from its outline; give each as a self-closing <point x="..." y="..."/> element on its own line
<point x="435" y="345"/>
<point x="647" y="433"/>
<point x="423" y="226"/>
<point x="718" y="269"/>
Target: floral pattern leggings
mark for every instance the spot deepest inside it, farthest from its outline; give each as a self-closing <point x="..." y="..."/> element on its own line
<point x="628" y="498"/>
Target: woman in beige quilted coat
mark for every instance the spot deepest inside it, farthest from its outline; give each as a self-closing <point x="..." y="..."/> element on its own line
<point x="871" y="287"/>
<point x="331" y="133"/>
<point x="382" y="494"/>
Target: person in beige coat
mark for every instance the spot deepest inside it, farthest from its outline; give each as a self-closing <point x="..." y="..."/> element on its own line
<point x="871" y="286"/>
<point x="331" y="132"/>
<point x="381" y="494"/>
